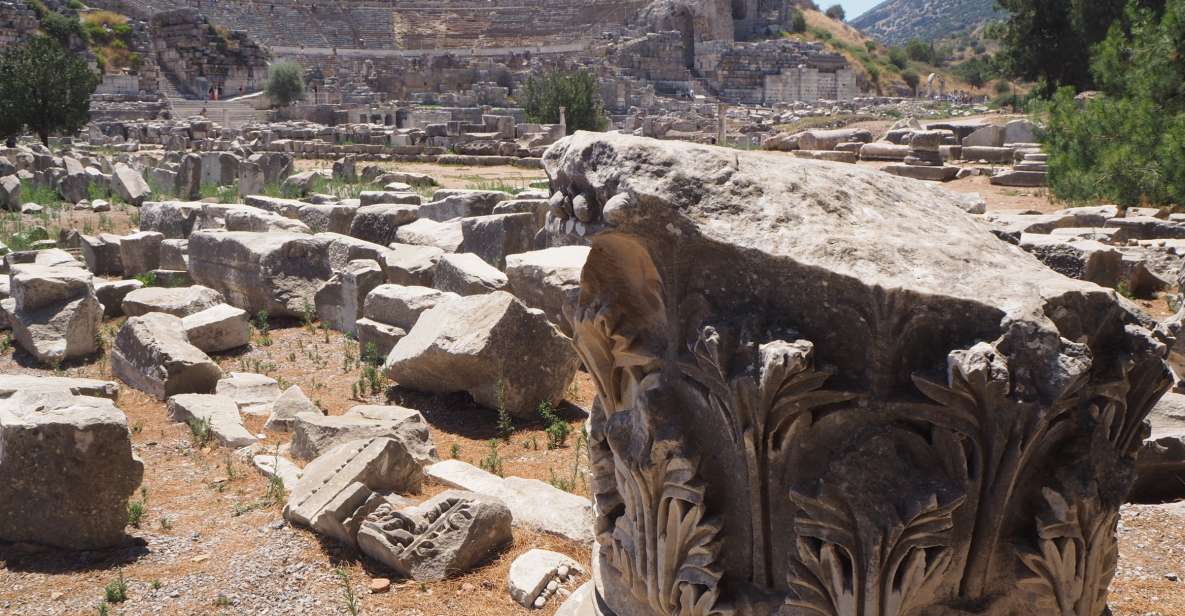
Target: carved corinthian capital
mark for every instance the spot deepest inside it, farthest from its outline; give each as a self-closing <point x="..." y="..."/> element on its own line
<point x="826" y="391"/>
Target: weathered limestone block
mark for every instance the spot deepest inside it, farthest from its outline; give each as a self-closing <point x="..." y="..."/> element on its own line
<point x="254" y="393"/>
<point x="276" y="272"/>
<point x="140" y="252"/>
<point x="314" y="433"/>
<point x="112" y="292"/>
<point x="536" y="505"/>
<point x="339" y="302"/>
<point x="152" y="354"/>
<point x="447" y="535"/>
<point x="380" y="223"/>
<point x="497" y="235"/>
<point x="66" y="467"/>
<point x="828" y="139"/>
<point x="401" y="305"/>
<point x="129" y="185"/>
<point x="102" y="254"/>
<point x="292" y="402"/>
<point x="536" y="575"/>
<point x="467" y="274"/>
<point x="53" y="311"/>
<point x="450" y="203"/>
<point x="226" y="425"/>
<point x="491" y="346"/>
<point x="339" y="489"/>
<point x="75" y="182"/>
<point x="411" y="265"/>
<point x="377" y="337"/>
<point x="446" y="236"/>
<point x="218" y="328"/>
<point x="549" y="280"/>
<point x="783" y="403"/>
<point x="275" y="465"/>
<point x="1160" y="465"/>
<point x="173" y="219"/>
<point x="177" y="301"/>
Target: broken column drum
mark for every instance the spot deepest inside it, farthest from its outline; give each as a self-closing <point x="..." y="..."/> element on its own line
<point x="825" y="391"/>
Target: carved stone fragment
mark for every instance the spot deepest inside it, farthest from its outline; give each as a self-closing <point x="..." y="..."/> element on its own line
<point x="823" y="391"/>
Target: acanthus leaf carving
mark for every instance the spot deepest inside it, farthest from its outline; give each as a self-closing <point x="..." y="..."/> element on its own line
<point x="1076" y="556"/>
<point x="773" y="386"/>
<point x="846" y="568"/>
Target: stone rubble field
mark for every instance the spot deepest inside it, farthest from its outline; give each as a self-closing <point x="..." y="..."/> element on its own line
<point x="239" y="382"/>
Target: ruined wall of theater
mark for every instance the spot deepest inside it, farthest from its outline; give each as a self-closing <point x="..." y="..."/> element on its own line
<point x="17" y="20"/>
<point x="195" y="55"/>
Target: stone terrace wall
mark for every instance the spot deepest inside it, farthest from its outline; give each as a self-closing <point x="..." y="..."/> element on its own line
<point x="17" y="20"/>
<point x="404" y="24"/>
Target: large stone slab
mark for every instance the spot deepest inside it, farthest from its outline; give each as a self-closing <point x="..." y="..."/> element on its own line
<point x="535" y="504"/>
<point x="548" y="280"/>
<point x="152" y="354"/>
<point x="497" y="235"/>
<point x="219" y="328"/>
<point x="818" y="363"/>
<point x="66" y="468"/>
<point x="254" y="393"/>
<point x="314" y="433"/>
<point x="53" y="311"/>
<point x="129" y="185"/>
<point x="447" y="535"/>
<point x="467" y="274"/>
<point x="411" y="265"/>
<point x="220" y="411"/>
<point x="140" y="252"/>
<point x="1160" y="466"/>
<point x="401" y="305"/>
<point x="177" y="301"/>
<point x="276" y="272"/>
<point x="491" y="346"/>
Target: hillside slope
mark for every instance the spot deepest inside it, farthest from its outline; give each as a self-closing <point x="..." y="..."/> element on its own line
<point x="894" y="22"/>
<point x="869" y="59"/>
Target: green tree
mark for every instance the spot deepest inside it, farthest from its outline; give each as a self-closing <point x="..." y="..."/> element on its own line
<point x="797" y="22"/>
<point x="1127" y="146"/>
<point x="577" y="91"/>
<point x="919" y="51"/>
<point x="44" y="87"/>
<point x="285" y="83"/>
<point x="911" y="79"/>
<point x="1049" y="41"/>
<point x="898" y="57"/>
<point x="975" y="71"/>
<point x="836" y="12"/>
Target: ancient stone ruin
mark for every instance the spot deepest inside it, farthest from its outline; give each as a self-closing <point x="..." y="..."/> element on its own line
<point x="806" y="405"/>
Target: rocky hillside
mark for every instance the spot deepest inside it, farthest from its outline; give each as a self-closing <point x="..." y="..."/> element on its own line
<point x="894" y="22"/>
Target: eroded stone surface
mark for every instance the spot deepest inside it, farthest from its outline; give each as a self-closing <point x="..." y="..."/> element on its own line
<point x="814" y="360"/>
<point x="447" y="535"/>
<point x="56" y="449"/>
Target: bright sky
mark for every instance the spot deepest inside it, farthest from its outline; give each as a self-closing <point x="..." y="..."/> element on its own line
<point x="851" y="7"/>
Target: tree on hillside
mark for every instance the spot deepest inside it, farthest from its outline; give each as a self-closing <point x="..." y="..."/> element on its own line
<point x="1049" y="41"/>
<point x="577" y="91"/>
<point x="1128" y="146"/>
<point x="285" y="83"/>
<point x="836" y="12"/>
<point x="911" y="79"/>
<point x="44" y="87"/>
<point x="797" y="22"/>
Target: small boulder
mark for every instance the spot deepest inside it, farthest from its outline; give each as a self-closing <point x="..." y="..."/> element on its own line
<point x="468" y="274"/>
<point x="179" y="302"/>
<point x="219" y="328"/>
<point x="221" y="413"/>
<point x="152" y="354"/>
<point x="254" y="393"/>
<point x="285" y="409"/>
<point x="491" y="346"/>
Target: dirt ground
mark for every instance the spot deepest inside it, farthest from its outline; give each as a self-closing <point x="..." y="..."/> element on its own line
<point x="211" y="542"/>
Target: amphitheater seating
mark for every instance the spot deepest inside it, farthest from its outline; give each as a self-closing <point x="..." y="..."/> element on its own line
<point x="404" y="24"/>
